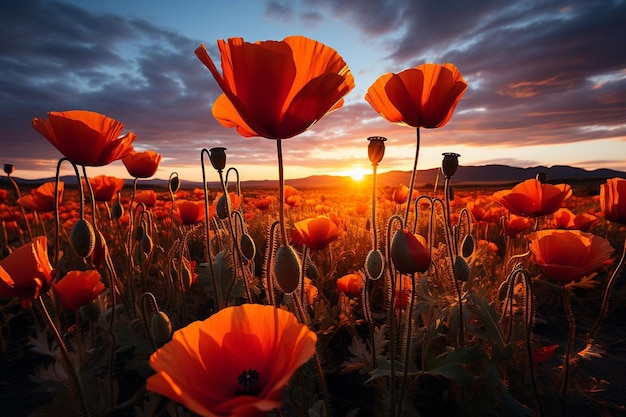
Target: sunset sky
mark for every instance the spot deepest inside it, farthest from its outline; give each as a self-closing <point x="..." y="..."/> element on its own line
<point x="547" y="80"/>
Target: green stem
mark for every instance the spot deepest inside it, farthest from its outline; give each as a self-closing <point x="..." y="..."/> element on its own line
<point x="207" y="234"/>
<point x="281" y="193"/>
<point x="413" y="172"/>
<point x="570" y="338"/>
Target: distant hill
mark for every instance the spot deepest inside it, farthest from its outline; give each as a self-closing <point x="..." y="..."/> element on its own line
<point x="469" y="175"/>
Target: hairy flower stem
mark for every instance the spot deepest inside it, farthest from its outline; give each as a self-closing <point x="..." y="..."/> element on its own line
<point x="19" y="195"/>
<point x="570" y="338"/>
<point x="207" y="235"/>
<point x="57" y="220"/>
<point x="281" y="193"/>
<point x="407" y="351"/>
<point x="67" y="362"/>
<point x="316" y="359"/>
<point x="608" y="291"/>
<point x="412" y="182"/>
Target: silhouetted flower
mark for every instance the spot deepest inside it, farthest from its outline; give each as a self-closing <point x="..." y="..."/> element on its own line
<point x="142" y="164"/>
<point x="235" y="363"/>
<point x="85" y="137"/>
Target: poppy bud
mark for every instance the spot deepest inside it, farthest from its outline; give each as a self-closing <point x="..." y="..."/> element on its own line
<point x="409" y="255"/>
<point x="218" y="158"/>
<point x="8" y="169"/>
<point x="374" y="264"/>
<point x="461" y="269"/>
<point x="82" y="238"/>
<point x="161" y="328"/>
<point x="467" y="247"/>
<point x="503" y="290"/>
<point x="450" y="163"/>
<point x="221" y="208"/>
<point x="541" y="177"/>
<point x="312" y="272"/>
<point x="146" y="244"/>
<point x="376" y="149"/>
<point x="91" y="311"/>
<point x="140" y="231"/>
<point x="287" y="269"/>
<point x="117" y="210"/>
<point x="247" y="246"/>
<point x="174" y="182"/>
<point x="98" y="255"/>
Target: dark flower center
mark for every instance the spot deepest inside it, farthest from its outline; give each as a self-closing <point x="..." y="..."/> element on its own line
<point x="248" y="383"/>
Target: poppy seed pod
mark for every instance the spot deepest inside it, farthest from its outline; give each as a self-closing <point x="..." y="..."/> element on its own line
<point x="8" y="169"/>
<point x="467" y="246"/>
<point x="374" y="264"/>
<point x="83" y="238"/>
<point x="376" y="149"/>
<point x="461" y="269"/>
<point x="221" y="207"/>
<point x="450" y="163"/>
<point x="247" y="247"/>
<point x="218" y="158"/>
<point x="287" y="269"/>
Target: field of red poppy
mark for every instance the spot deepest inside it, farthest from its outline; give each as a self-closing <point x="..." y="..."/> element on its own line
<point x="487" y="331"/>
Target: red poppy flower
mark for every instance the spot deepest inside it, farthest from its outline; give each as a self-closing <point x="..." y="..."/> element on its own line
<point x="409" y="252"/>
<point x="568" y="255"/>
<point x="564" y="218"/>
<point x="105" y="187"/>
<point x="277" y="89"/>
<point x="3" y="195"/>
<point x="424" y="96"/>
<point x="85" y="137"/>
<point x="191" y="212"/>
<point x="543" y="353"/>
<point x="235" y="363"/>
<point x="532" y="198"/>
<point x="350" y="284"/>
<point x="28" y="270"/>
<point x="262" y="203"/>
<point x="147" y="197"/>
<point x="41" y="199"/>
<point x="400" y="194"/>
<point x="613" y="200"/>
<point x="316" y="233"/>
<point x="78" y="288"/>
<point x="142" y="164"/>
<point x="514" y="225"/>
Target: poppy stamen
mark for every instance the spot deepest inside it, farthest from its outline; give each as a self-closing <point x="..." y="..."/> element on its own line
<point x="249" y="383"/>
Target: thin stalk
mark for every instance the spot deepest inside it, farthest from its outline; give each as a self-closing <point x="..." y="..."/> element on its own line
<point x="570" y="338"/>
<point x="281" y="192"/>
<point x="412" y="183"/>
<point x="71" y="372"/>
<point x="207" y="234"/>
<point x="19" y="195"/>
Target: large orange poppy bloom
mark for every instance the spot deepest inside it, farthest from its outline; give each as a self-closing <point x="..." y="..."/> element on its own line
<point x="316" y="233"/>
<point x="142" y="164"/>
<point x="235" y="363"/>
<point x="78" y="288"/>
<point x="424" y="96"/>
<point x="277" y="89"/>
<point x="26" y="272"/>
<point x="105" y="187"/>
<point x="532" y="198"/>
<point x="191" y="212"/>
<point x="613" y="200"/>
<point x="41" y="199"/>
<point x="350" y="284"/>
<point x="568" y="255"/>
<point x="85" y="137"/>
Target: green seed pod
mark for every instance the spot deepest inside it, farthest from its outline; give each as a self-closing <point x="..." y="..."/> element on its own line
<point x="287" y="269"/>
<point x="161" y="328"/>
<point x="117" y="210"/>
<point x="247" y="247"/>
<point x="83" y="238"/>
<point x="91" y="311"/>
<point x="467" y="247"/>
<point x="461" y="269"/>
<point x="374" y="265"/>
<point x="221" y="208"/>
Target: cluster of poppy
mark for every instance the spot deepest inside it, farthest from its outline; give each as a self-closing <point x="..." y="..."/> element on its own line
<point x="277" y="90"/>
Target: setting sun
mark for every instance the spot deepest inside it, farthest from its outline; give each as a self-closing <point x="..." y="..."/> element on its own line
<point x="355" y="173"/>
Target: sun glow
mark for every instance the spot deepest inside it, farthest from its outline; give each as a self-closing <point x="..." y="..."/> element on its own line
<point x="356" y="173"/>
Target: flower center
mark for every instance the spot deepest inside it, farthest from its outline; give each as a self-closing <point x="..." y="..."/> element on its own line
<point x="248" y="383"/>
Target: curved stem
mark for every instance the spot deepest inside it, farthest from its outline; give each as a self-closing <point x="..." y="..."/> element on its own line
<point x="281" y="193"/>
<point x="19" y="195"/>
<point x="412" y="183"/>
<point x="71" y="372"/>
<point x="207" y="234"/>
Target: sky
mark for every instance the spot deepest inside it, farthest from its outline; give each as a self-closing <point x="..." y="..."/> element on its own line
<point x="547" y="80"/>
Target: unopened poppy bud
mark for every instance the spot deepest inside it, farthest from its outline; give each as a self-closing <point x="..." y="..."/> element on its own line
<point x="247" y="247"/>
<point x="174" y="182"/>
<point x="221" y="208"/>
<point x="287" y="269"/>
<point x="146" y="244"/>
<point x="467" y="246"/>
<point x="409" y="255"/>
<point x="8" y="169"/>
<point x="91" y="311"/>
<point x="82" y="238"/>
<point x="376" y="149"/>
<point x="312" y="272"/>
<point x="374" y="264"/>
<point x="117" y="210"/>
<point x="450" y="163"/>
<point x="218" y="158"/>
<point x="140" y="232"/>
<point x="503" y="290"/>
<point x="161" y="328"/>
<point x="98" y="255"/>
<point x="461" y="269"/>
